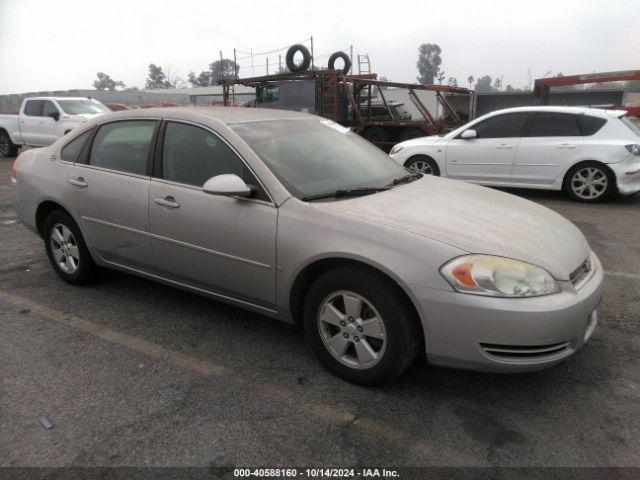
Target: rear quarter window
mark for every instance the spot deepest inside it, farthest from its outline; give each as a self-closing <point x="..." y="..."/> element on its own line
<point x="71" y="150"/>
<point x="590" y="125"/>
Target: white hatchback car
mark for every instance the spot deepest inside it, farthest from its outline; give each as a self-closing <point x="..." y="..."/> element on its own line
<point x="590" y="153"/>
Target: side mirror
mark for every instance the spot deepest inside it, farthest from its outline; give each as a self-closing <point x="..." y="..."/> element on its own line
<point x="55" y="115"/>
<point x="468" y="134"/>
<point x="227" y="185"/>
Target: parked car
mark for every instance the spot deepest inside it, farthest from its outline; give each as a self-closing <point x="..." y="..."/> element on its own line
<point x="43" y="120"/>
<point x="295" y="217"/>
<point x="589" y="153"/>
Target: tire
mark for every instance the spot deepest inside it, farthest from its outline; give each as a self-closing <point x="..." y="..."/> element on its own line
<point x="377" y="136"/>
<point x="336" y="55"/>
<point x="57" y="227"/>
<point x="589" y="182"/>
<point x="411" y="133"/>
<point x="306" y="58"/>
<point x="395" y="340"/>
<point x="423" y="164"/>
<point x="7" y="147"/>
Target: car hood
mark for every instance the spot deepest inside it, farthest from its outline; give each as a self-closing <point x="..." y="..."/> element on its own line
<point x="421" y="141"/>
<point x="475" y="219"/>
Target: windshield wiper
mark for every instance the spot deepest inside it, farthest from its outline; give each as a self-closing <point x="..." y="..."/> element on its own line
<point x="353" y="192"/>
<point x="406" y="179"/>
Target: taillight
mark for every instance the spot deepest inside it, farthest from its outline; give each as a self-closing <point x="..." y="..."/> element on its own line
<point x="14" y="172"/>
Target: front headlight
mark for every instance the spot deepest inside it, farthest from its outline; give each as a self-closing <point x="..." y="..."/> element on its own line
<point x="498" y="277"/>
<point x="396" y="149"/>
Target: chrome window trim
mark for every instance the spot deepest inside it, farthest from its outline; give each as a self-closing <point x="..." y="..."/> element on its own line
<point x="108" y="170"/>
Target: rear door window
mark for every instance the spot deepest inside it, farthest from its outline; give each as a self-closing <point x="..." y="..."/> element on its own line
<point x="33" y="108"/>
<point x="507" y="125"/>
<point x="123" y="146"/>
<point x="552" y="124"/>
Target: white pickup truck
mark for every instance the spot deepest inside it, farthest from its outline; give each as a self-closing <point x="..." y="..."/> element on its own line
<point x="42" y="120"/>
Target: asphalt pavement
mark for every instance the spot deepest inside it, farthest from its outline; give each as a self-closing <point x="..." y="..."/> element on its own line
<point x="132" y="373"/>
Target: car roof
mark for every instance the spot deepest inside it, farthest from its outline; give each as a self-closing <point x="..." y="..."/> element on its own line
<point x="59" y="98"/>
<point x="228" y="115"/>
<point x="597" y="112"/>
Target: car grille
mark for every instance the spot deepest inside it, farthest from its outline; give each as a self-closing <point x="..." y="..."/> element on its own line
<point x="524" y="352"/>
<point x="581" y="272"/>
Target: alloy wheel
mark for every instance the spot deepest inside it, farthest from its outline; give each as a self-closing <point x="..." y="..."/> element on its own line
<point x="64" y="248"/>
<point x="589" y="183"/>
<point x="352" y="330"/>
<point x="420" y="166"/>
<point x="4" y="146"/>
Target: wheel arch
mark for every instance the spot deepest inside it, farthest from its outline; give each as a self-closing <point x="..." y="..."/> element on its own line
<point x="426" y="155"/>
<point x="44" y="209"/>
<point x="565" y="176"/>
<point x="312" y="271"/>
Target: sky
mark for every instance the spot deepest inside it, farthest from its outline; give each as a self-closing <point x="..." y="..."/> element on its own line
<point x="62" y="44"/>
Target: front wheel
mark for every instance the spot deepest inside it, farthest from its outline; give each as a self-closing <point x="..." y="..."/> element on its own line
<point x="360" y="327"/>
<point x="589" y="182"/>
<point x="423" y="164"/>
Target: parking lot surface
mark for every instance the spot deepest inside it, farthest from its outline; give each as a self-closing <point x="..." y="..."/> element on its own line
<point x="134" y="373"/>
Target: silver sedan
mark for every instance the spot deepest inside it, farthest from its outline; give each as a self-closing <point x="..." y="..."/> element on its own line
<point x="297" y="218"/>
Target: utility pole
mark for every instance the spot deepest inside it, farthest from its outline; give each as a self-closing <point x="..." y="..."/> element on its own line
<point x="311" y="52"/>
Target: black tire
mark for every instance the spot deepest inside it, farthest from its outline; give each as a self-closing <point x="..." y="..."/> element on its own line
<point x="7" y="147"/>
<point x="306" y="58"/>
<point x="87" y="270"/>
<point x="423" y="164"/>
<point x="411" y="133"/>
<point x="403" y="335"/>
<point x="377" y="136"/>
<point x="345" y="58"/>
<point x="604" y="182"/>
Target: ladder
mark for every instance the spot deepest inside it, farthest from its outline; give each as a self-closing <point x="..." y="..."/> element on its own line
<point x="364" y="64"/>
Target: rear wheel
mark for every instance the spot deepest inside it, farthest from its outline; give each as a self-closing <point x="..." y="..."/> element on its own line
<point x="67" y="250"/>
<point x="360" y="327"/>
<point x="7" y="147"/>
<point x="589" y="182"/>
<point x="423" y="164"/>
<point x="377" y="136"/>
<point x="411" y="133"/>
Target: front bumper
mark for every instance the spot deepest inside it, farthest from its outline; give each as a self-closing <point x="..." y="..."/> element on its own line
<point x="506" y="334"/>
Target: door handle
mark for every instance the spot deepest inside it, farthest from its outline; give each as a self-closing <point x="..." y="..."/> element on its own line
<point x="504" y="145"/>
<point x="78" y="182"/>
<point x="167" y="201"/>
<point x="566" y="145"/>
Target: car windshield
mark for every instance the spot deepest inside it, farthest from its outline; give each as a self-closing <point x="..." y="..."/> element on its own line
<point x="633" y="126"/>
<point x="313" y="157"/>
<point x="80" y="107"/>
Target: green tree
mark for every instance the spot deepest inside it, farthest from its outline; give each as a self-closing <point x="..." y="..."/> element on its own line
<point x="226" y="67"/>
<point x="470" y="79"/>
<point x="452" y="82"/>
<point x="157" y="78"/>
<point x="105" y="82"/>
<point x="484" y="84"/>
<point x="429" y="62"/>
<point x="202" y="80"/>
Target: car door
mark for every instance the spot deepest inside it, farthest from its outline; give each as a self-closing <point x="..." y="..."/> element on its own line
<point x="489" y="157"/>
<point x="550" y="141"/>
<point x="30" y="121"/>
<point x="49" y="128"/>
<point x="217" y="243"/>
<point x="109" y="189"/>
